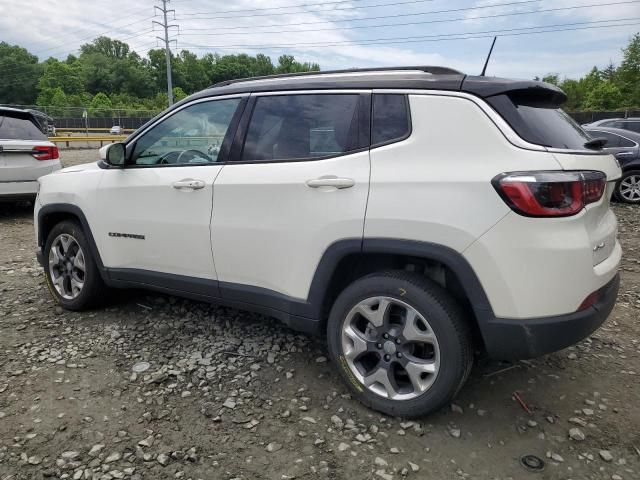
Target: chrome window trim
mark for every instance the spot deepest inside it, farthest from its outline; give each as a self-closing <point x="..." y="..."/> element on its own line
<point x="170" y="113"/>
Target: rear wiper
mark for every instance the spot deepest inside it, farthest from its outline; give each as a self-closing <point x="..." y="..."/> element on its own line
<point x="597" y="143"/>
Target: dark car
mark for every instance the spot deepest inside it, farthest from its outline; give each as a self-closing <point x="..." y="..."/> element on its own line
<point x="623" y="144"/>
<point x="632" y="123"/>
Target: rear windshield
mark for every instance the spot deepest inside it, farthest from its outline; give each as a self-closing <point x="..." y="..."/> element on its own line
<point x="12" y="128"/>
<point x="540" y="122"/>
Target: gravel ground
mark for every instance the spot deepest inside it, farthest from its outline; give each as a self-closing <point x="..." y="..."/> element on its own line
<point x="234" y="395"/>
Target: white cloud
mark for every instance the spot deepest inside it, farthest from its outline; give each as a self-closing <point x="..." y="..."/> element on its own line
<point x="59" y="27"/>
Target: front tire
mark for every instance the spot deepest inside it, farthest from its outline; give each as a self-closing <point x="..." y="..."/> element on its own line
<point x="71" y="272"/>
<point x="628" y="187"/>
<point x="401" y="343"/>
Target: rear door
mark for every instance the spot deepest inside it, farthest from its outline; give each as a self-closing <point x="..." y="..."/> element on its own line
<point x="297" y="181"/>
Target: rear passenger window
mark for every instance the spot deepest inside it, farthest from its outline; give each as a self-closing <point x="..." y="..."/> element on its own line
<point x="390" y="118"/>
<point x="286" y="127"/>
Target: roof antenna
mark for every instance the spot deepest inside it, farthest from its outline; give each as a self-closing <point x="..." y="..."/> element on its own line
<point x="486" y="62"/>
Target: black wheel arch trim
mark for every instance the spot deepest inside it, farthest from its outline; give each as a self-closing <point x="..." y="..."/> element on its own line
<point x="75" y="211"/>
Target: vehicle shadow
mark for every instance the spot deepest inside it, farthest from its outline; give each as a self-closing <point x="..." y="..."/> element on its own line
<point x="22" y="209"/>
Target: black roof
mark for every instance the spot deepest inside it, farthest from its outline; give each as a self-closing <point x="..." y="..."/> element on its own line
<point x="418" y="78"/>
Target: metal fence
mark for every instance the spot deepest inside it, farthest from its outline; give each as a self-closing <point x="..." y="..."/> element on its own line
<point x="99" y="122"/>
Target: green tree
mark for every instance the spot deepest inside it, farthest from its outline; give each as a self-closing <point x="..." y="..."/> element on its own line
<point x="288" y="64"/>
<point x="63" y="75"/>
<point x="575" y="94"/>
<point x="100" y="105"/>
<point x="628" y="74"/>
<point x="178" y="94"/>
<point x="106" y="46"/>
<point x="19" y="73"/>
<point x="58" y="103"/>
<point x="604" y="96"/>
<point x="552" y="78"/>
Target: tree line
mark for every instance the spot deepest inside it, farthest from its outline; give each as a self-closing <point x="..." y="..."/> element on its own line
<point x="107" y="76"/>
<point x="611" y="88"/>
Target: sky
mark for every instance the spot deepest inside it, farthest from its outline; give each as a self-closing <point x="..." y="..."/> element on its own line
<point x="347" y="34"/>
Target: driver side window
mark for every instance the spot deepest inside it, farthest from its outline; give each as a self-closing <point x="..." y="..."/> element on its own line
<point x="191" y="136"/>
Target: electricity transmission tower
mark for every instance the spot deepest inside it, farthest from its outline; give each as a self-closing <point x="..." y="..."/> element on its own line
<point x="165" y="25"/>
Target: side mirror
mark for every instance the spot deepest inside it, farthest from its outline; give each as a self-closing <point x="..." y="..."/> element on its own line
<point x="114" y="154"/>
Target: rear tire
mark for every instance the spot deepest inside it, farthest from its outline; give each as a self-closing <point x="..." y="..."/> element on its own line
<point x="409" y="359"/>
<point x="628" y="187"/>
<point x="71" y="272"/>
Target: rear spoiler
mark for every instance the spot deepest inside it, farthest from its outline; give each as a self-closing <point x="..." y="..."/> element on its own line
<point x="525" y="91"/>
<point x="21" y="114"/>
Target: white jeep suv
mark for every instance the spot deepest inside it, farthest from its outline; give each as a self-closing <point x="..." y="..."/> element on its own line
<point x="413" y="215"/>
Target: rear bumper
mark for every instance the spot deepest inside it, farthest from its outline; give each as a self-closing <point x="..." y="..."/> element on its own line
<point x="17" y="190"/>
<point x="512" y="339"/>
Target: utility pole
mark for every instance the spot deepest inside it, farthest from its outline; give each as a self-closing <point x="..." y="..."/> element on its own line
<point x="165" y="25"/>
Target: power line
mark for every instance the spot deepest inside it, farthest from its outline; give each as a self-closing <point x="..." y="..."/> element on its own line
<point x="93" y="36"/>
<point x="430" y="12"/>
<point x="69" y="34"/>
<point x="419" y="38"/>
<point x="85" y="38"/>
<point x="405" y="2"/>
<point x="303" y="5"/>
<point x="448" y="20"/>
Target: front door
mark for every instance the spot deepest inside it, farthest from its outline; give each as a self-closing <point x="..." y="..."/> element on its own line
<point x="156" y="212"/>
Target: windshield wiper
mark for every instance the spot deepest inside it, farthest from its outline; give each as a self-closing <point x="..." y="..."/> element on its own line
<point x="597" y="143"/>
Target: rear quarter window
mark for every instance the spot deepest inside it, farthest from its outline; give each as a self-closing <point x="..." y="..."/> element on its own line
<point x="13" y="128"/>
<point x="391" y="120"/>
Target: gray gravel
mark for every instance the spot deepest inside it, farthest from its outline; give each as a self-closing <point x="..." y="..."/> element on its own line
<point x="234" y="395"/>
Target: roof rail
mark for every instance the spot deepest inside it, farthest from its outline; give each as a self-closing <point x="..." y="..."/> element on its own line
<point x="434" y="70"/>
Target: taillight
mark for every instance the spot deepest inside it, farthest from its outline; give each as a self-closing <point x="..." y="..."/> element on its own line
<point x="550" y="194"/>
<point x="590" y="301"/>
<point x="45" y="153"/>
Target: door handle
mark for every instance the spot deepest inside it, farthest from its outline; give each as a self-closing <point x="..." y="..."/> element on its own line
<point x="331" y="181"/>
<point x="624" y="154"/>
<point x="188" y="184"/>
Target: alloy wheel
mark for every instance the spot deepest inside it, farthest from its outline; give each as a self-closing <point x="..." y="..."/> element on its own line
<point x="390" y="348"/>
<point x="67" y="266"/>
<point x="630" y="188"/>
